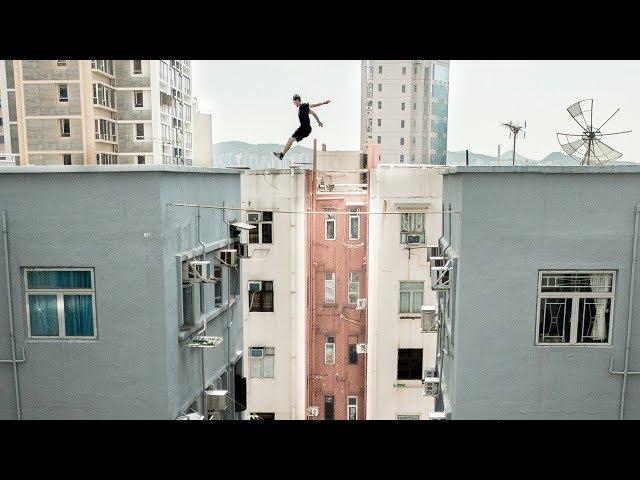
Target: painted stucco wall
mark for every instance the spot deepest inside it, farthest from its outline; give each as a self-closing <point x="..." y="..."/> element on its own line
<point x="515" y="222"/>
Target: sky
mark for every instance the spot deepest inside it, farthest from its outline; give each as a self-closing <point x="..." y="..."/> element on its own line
<point x="251" y="101"/>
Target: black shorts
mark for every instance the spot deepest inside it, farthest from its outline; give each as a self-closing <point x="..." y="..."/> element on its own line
<point x="301" y="132"/>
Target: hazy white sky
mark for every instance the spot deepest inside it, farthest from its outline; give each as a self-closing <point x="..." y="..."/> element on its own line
<point x="251" y="101"/>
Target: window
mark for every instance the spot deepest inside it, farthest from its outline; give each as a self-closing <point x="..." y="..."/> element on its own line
<point x="414" y="105"/>
<point x="412" y="228"/>
<point x="575" y="307"/>
<point x="379" y="122"/>
<point x="262" y="416"/>
<point x="411" y="297"/>
<point x="413" y="123"/>
<point x="139" y="131"/>
<point x="402" y="105"/>
<point x="164" y="71"/>
<point x="62" y="63"/>
<point x="63" y="93"/>
<point x="104" y="95"/>
<point x="407" y="416"/>
<point x="354" y="224"/>
<point x="166" y="133"/>
<point x="188" y="313"/>
<point x="261" y="362"/>
<point x="379" y="139"/>
<point x="138" y="98"/>
<point x="329" y="350"/>
<point x="401" y="123"/>
<point x="352" y="408"/>
<point x="137" y="67"/>
<point x="413" y="158"/>
<point x="60" y="302"/>
<point x="329" y="287"/>
<point x="413" y="140"/>
<point x="66" y="159"/>
<point x="328" y="405"/>
<point x="65" y="128"/>
<point x="379" y="68"/>
<point x="379" y="87"/>
<point x="262" y="301"/>
<point x="330" y="225"/>
<point x="415" y="70"/>
<point x="401" y="140"/>
<point x="353" y="354"/>
<point x="141" y="162"/>
<point x="404" y="89"/>
<point x="106" y="159"/>
<point x="370" y="90"/>
<point x="263" y="221"/>
<point x="105" y="129"/>
<point x="415" y="88"/>
<point x="354" y="287"/>
<point x="217" y="273"/>
<point x="379" y="105"/>
<point x="401" y="158"/>
<point x="409" y="364"/>
<point x="404" y="70"/>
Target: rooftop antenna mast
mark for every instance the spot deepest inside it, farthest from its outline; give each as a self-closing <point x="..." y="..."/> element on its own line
<point x="515" y="129"/>
<point x="587" y="147"/>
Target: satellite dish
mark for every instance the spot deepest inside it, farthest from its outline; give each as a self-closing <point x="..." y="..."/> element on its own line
<point x="587" y="147"/>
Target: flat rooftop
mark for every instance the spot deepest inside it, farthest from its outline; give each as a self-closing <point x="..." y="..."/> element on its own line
<point x="539" y="169"/>
<point x="115" y="169"/>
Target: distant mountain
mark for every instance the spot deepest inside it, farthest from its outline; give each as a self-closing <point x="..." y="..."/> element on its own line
<point x="259" y="156"/>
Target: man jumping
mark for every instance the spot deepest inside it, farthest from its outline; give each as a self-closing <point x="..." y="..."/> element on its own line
<point x="304" y="130"/>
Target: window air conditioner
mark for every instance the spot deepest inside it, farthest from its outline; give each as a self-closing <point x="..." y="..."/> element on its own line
<point x="216" y="400"/>
<point x="312" y="411"/>
<point x="413" y="238"/>
<point x="227" y="257"/>
<point x="255" y="286"/>
<point x="429" y="319"/>
<point x="431" y="382"/>
<point x="362" y="304"/>
<point x="437" y="416"/>
<point x="242" y="249"/>
<point x="253" y="216"/>
<point x="194" y="271"/>
<point x="361" y="348"/>
<point x="437" y="261"/>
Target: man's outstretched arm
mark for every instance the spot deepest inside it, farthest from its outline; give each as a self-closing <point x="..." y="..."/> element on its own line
<point x="313" y="105"/>
<point x="316" y="117"/>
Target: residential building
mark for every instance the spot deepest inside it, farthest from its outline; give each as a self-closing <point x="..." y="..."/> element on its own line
<point x="539" y="299"/>
<point x="404" y="106"/>
<point x="273" y="291"/>
<point x="405" y="201"/>
<point x="202" y="138"/>
<point x="87" y="112"/>
<point x="103" y="300"/>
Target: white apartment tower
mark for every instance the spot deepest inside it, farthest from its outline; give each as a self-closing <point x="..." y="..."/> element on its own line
<point x="87" y="112"/>
<point x="405" y="109"/>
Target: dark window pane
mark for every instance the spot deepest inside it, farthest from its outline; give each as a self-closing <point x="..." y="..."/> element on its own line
<point x="328" y="407"/>
<point x="266" y="232"/>
<point x="58" y="279"/>
<point x="43" y="315"/>
<point x="353" y="355"/>
<point x="267" y="216"/>
<point x="78" y="316"/>
<point x="409" y="364"/>
<point x="253" y="233"/>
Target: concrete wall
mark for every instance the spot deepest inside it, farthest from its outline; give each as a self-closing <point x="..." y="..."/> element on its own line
<point x="284" y="329"/>
<point x="515" y="222"/>
<point x="115" y="220"/>
<point x="202" y="138"/>
<point x="394" y="190"/>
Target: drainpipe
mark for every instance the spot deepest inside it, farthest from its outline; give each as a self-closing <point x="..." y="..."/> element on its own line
<point x="292" y="280"/>
<point x="228" y="315"/>
<point x="205" y="410"/>
<point x="625" y="372"/>
<point x="14" y="360"/>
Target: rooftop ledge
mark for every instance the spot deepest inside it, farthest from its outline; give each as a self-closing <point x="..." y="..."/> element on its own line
<point x="116" y="168"/>
<point x="539" y="169"/>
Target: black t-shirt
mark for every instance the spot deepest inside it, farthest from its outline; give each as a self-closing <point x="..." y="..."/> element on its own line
<point x="303" y="115"/>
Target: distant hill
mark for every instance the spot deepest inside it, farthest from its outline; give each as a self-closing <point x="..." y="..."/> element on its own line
<point x="258" y="156"/>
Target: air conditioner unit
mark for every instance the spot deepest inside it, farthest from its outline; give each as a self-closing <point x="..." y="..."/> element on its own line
<point x="228" y="257"/>
<point x="432" y="251"/>
<point x="361" y="348"/>
<point x="253" y="216"/>
<point x="413" y="238"/>
<point x="194" y="271"/>
<point x="312" y="411"/>
<point x="437" y="261"/>
<point x="216" y="400"/>
<point x="255" y="286"/>
<point x="362" y="304"/>
<point x="431" y="382"/>
<point x="429" y="319"/>
<point x="242" y="249"/>
<point x="437" y="416"/>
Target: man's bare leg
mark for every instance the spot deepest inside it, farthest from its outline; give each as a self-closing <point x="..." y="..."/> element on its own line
<point x="286" y="148"/>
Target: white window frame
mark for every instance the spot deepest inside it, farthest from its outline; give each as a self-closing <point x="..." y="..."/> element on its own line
<point x="353" y="287"/>
<point x="135" y="132"/>
<point x="354" y="214"/>
<point x="401" y="123"/>
<point x="133" y="67"/>
<point x="259" y="225"/>
<point x="135" y="99"/>
<point x="412" y="293"/>
<point x="404" y="70"/>
<point x="379" y="69"/>
<point x="379" y="104"/>
<point x="105" y="129"/>
<point x="144" y="161"/>
<point x="329" y="350"/>
<point x="575" y="298"/>
<point x="413" y="228"/>
<point x="379" y="139"/>
<point x="62" y="123"/>
<point x="379" y="87"/>
<point x="330" y="218"/>
<point x="262" y="353"/>
<point x="60" y="293"/>
<point x="401" y="158"/>
<point x="401" y="140"/>
<point x="352" y="404"/>
<point x="404" y="89"/>
<point x="329" y="284"/>
<point x="379" y="122"/>
<point x="402" y="106"/>
<point x="62" y="99"/>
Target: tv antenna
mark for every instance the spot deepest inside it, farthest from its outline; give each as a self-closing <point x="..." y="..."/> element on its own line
<point x="588" y="147"/>
<point x="514" y="130"/>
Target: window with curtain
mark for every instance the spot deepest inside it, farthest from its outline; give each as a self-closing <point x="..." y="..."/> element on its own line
<point x="575" y="307"/>
<point x="412" y="226"/>
<point x="411" y="294"/>
<point x="261" y="362"/>
<point x="60" y="303"/>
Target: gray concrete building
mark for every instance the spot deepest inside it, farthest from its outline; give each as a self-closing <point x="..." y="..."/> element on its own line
<point x="405" y="109"/>
<point x="88" y="112"/>
<point x="101" y="303"/>
<point x="538" y="283"/>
